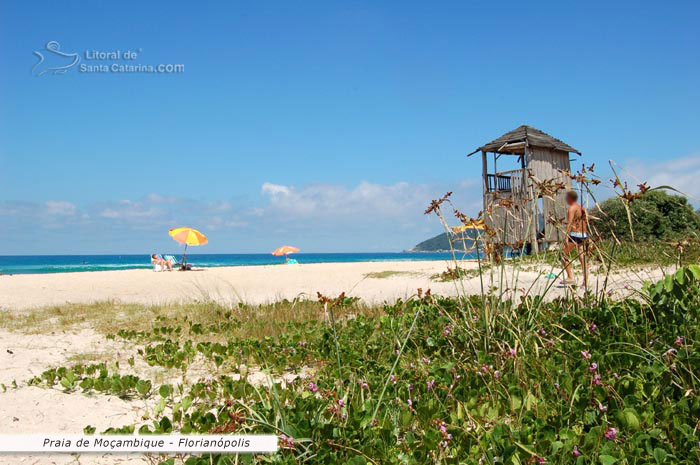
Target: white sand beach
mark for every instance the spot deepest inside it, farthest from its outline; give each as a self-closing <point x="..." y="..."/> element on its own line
<point x="373" y="282"/>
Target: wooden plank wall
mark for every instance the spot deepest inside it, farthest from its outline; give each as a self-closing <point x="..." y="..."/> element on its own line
<point x="495" y="217"/>
<point x="545" y="164"/>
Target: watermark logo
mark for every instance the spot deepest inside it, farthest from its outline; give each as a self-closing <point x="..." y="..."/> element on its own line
<point x="52" y="60"/>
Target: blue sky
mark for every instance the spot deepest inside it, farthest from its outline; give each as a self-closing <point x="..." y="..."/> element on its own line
<point x="329" y="125"/>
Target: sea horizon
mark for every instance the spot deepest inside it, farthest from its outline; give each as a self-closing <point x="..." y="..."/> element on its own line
<point x="72" y="263"/>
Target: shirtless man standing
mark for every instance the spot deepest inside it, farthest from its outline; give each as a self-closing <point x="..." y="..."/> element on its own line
<point x="576" y="236"/>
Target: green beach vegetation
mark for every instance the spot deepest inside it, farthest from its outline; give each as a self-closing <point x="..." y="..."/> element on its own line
<point x="390" y="274"/>
<point x="655" y="215"/>
<point x="427" y="380"/>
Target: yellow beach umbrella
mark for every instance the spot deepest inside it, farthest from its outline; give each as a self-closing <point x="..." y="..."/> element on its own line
<point x="478" y="225"/>
<point x="188" y="236"/>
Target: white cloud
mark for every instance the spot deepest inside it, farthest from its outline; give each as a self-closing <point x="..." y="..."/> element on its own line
<point x="274" y="189"/>
<point x="10" y="209"/>
<point x="51" y="211"/>
<point x="157" y="198"/>
<point x="366" y="200"/>
<point x="128" y="212"/>
<point x="60" y="207"/>
<point x="221" y="207"/>
<point x="131" y="210"/>
<point x="680" y="173"/>
<point x="217" y="223"/>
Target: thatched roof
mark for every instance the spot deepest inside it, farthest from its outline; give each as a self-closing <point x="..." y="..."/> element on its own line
<point x="513" y="142"/>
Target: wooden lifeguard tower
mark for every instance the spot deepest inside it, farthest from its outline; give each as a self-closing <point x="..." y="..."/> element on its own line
<point x="515" y="201"/>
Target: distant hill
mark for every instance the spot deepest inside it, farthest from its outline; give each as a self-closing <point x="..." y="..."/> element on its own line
<point x="439" y="243"/>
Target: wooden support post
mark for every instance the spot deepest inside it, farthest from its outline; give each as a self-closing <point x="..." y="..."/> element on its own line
<point x="484" y="165"/>
<point x="533" y="208"/>
<point x="485" y="172"/>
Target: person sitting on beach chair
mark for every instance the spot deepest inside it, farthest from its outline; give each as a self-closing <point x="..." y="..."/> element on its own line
<point x="160" y="264"/>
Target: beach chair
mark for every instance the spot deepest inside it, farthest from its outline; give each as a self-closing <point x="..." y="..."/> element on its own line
<point x="177" y="264"/>
<point x="171" y="259"/>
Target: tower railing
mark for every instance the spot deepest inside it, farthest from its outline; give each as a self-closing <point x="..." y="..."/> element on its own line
<point x="505" y="181"/>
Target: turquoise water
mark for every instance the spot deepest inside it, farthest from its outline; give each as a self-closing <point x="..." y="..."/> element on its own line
<point x="38" y="264"/>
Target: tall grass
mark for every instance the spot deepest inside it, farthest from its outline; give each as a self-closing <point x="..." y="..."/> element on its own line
<point x="108" y="317"/>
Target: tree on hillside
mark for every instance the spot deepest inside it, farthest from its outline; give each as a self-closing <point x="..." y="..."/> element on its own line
<point x="655" y="215"/>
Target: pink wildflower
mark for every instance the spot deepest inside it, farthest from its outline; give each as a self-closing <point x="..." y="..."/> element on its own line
<point x="611" y="434"/>
<point x="286" y="441"/>
<point x="446" y="437"/>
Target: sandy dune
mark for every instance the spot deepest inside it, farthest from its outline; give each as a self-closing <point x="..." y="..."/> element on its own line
<point x="29" y="409"/>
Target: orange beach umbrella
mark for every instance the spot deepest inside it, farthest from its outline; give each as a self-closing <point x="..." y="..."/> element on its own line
<point x="285" y="250"/>
<point x="188" y="236"/>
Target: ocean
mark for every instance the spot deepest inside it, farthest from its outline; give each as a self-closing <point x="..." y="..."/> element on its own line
<point x="39" y="264"/>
